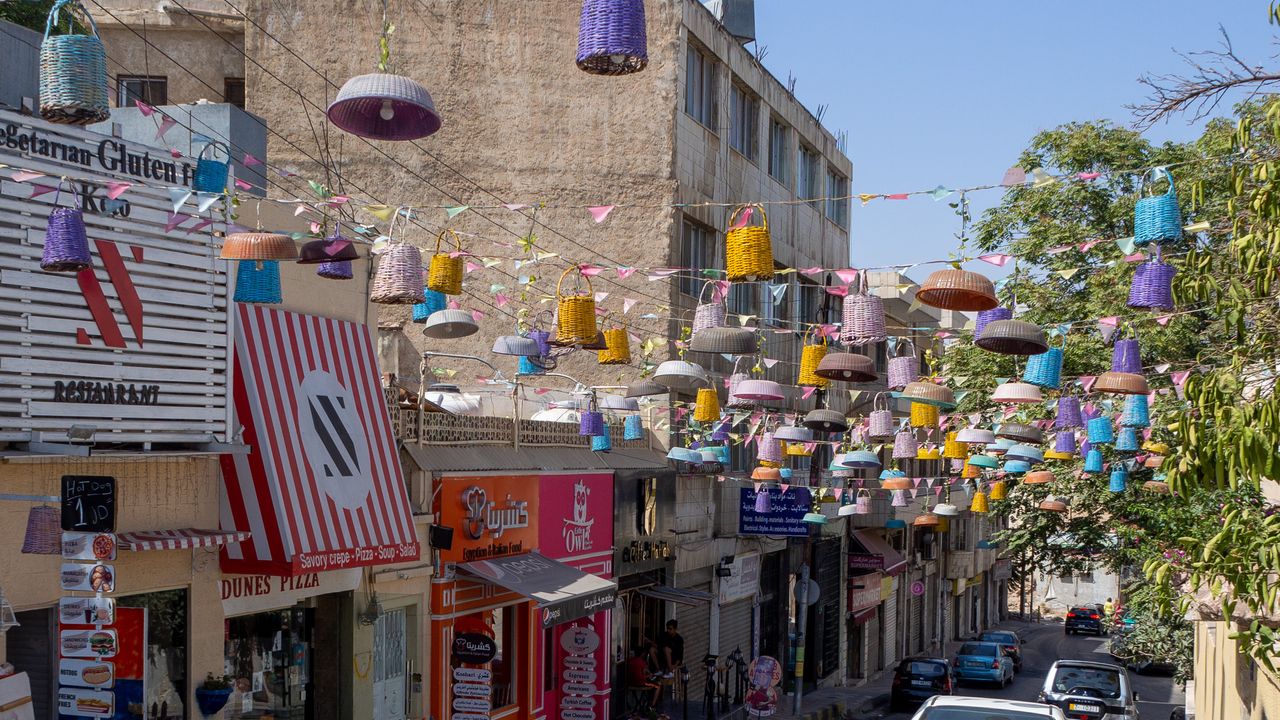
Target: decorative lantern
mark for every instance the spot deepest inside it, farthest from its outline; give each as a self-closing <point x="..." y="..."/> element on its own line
<point x="1045" y="369"/>
<point x="748" y="249"/>
<point x="708" y="314"/>
<point x="905" y="445"/>
<point x="899" y="498"/>
<point x="611" y="37"/>
<point x="258" y="282"/>
<point x="450" y="324"/>
<point x="764" y="503"/>
<point x="602" y="442"/>
<point x="827" y="421"/>
<point x="576" y="313"/>
<point x="398" y="279"/>
<point x="1068" y="413"/>
<point x="979" y="504"/>
<point x="846" y="367"/>
<point x="433" y="302"/>
<point x="632" y="428"/>
<point x="903" y="368"/>
<point x="444" y="274"/>
<point x="1136" y="413"/>
<point x="998" y="490"/>
<point x="953" y="449"/>
<point x="383" y="106"/>
<point x="73" y="74"/>
<point x="1101" y="431"/>
<point x="617" y="350"/>
<point x="1119" y="480"/>
<point x="66" y="241"/>
<point x="986" y="317"/>
<point x="923" y="415"/>
<point x="862" y="317"/>
<point x="211" y="173"/>
<point x="707" y="407"/>
<point x="770" y="454"/>
<point x="1012" y="337"/>
<point x="1126" y="357"/>
<point x="1093" y="461"/>
<point x="1152" y="285"/>
<point x="1157" y="218"/>
<point x="957" y="289"/>
<point x="810" y="357"/>
<point x="1064" y="441"/>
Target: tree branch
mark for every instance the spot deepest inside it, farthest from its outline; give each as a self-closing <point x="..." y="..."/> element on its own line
<point x="1214" y="73"/>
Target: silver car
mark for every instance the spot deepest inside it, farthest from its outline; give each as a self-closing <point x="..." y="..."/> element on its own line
<point x="1086" y="690"/>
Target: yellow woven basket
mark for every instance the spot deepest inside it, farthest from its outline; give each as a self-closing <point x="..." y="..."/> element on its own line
<point x="707" y="409"/>
<point x="923" y="415"/>
<point x="617" y="347"/>
<point x="445" y="273"/>
<point x="810" y="356"/>
<point x="998" y="490"/>
<point x="954" y="450"/>
<point x="798" y="449"/>
<point x="576" y="313"/>
<point x="748" y="251"/>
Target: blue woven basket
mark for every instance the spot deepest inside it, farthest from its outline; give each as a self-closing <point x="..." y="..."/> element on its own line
<point x="435" y="301"/>
<point x="602" y="442"/>
<point x="1100" y="431"/>
<point x="1119" y="480"/>
<point x="529" y="367"/>
<point x="211" y="174"/>
<point x="1157" y="217"/>
<point x="1136" y="414"/>
<point x="258" y="282"/>
<point x="632" y="428"/>
<point x="73" y="73"/>
<point x="1093" y="461"/>
<point x="1127" y="441"/>
<point x="1044" y="369"/>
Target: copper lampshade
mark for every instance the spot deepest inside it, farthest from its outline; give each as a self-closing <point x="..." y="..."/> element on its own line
<point x="955" y="289"/>
<point x="258" y="246"/>
<point x="1121" y="383"/>
<point x="847" y="367"/>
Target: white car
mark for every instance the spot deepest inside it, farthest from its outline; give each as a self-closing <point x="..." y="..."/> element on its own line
<point x="960" y="707"/>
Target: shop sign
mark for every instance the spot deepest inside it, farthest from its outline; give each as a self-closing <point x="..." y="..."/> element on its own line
<point x="247" y="594"/>
<point x="786" y="518"/>
<point x="88" y="643"/>
<point x="579" y="640"/>
<point x="102" y="664"/>
<point x="469" y="716"/>
<point x="864" y="591"/>
<point x="86" y="611"/>
<point x="886" y="588"/>
<point x="743" y="580"/>
<point x="88" y="546"/>
<point x="577" y="714"/>
<point x="492" y="516"/>
<point x="88" y="503"/>
<point x="472" y="690"/>
<point x="467" y="674"/>
<point x="1002" y="570"/>
<point x="576" y="515"/>
<point x="89" y="578"/>
<point x="573" y="688"/>
<point x="585" y="662"/>
<point x="474" y="648"/>
<point x="86" y="673"/>
<point x="76" y="702"/>
<point x="763" y="678"/>
<point x="471" y="704"/>
<point x="577" y="701"/>
<point x="866" y="561"/>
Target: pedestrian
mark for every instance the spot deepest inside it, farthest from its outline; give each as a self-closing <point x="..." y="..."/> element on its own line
<point x="638" y="679"/>
<point x="671" y="649"/>
<point x="1108" y="609"/>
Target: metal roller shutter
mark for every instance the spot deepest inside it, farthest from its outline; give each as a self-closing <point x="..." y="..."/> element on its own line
<point x="828" y="576"/>
<point x="917" y="623"/>
<point x="695" y="624"/>
<point x="890" y="638"/>
<point x="735" y="628"/>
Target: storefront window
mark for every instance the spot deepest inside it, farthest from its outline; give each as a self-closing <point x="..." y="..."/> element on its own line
<point x="267" y="655"/>
<point x="166" y="673"/>
<point x="499" y="624"/>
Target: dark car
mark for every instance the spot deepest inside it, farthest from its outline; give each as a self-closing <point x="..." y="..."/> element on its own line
<point x="1009" y="642"/>
<point x="1084" y="619"/>
<point x="919" y="678"/>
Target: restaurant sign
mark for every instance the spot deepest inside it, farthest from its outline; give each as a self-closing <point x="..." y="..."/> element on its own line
<point x="864" y="591"/>
<point x="493" y="516"/>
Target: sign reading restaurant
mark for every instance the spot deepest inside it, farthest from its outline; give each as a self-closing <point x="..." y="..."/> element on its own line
<point x="135" y="347"/>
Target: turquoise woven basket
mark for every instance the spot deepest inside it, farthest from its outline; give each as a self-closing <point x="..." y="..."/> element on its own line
<point x="1136" y="414"/>
<point x="435" y="301"/>
<point x="1045" y="369"/>
<point x="602" y="442"/>
<point x="1119" y="480"/>
<point x="1093" y="461"/>
<point x="1157" y="217"/>
<point x="258" y="282"/>
<point x="632" y="428"/>
<point x="73" y="73"/>
<point x="211" y="173"/>
<point x="1127" y="441"/>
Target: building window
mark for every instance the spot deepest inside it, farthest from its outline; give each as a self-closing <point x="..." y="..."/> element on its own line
<point x="961" y="533"/>
<point x="810" y="302"/>
<point x="700" y="87"/>
<point x="837" y="202"/>
<point x="807" y="176"/>
<point x="150" y="89"/>
<point x="741" y="300"/>
<point x="770" y="312"/>
<point x="698" y="251"/>
<point x="233" y="91"/>
<point x="778" y="152"/>
<point x="744" y="117"/>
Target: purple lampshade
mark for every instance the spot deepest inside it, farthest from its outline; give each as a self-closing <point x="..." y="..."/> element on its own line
<point x="1126" y="357"/>
<point x="335" y="270"/>
<point x="1068" y="413"/>
<point x="987" y="316"/>
<point x="1065" y="441"/>
<point x="1152" y="286"/>
<point x="611" y="37"/>
<point x="382" y="106"/>
<point x="763" y="503"/>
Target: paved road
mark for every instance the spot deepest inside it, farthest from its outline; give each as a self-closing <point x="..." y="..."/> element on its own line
<point x="1045" y="643"/>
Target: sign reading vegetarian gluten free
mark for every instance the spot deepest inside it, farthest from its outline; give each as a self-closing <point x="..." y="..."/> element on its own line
<point x="785" y="516"/>
<point x="133" y="348"/>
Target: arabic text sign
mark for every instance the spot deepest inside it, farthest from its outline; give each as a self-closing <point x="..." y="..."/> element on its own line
<point x="785" y="517"/>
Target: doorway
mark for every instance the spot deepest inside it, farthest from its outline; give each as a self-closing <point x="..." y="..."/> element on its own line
<point x="389" y="660"/>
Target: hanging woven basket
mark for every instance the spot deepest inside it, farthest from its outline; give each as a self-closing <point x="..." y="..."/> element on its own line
<point x="748" y="249"/>
<point x="1039" y="477"/>
<point x="1045" y="370"/>
<point x="999" y="491"/>
<point x="770" y="454"/>
<point x="929" y="393"/>
<point x="591" y="420"/>
<point x="1136" y="413"/>
<point x="905" y="445"/>
<point x="602" y="442"/>
<point x="66" y="241"/>
<point x="708" y="314"/>
<point x="44" y="531"/>
<point x="444" y="274"/>
<point x="398" y="279"/>
<point x="1152" y="286"/>
<point x="617" y="350"/>
<point x="1156" y="218"/>
<point x="611" y="37"/>
<point x="953" y="449"/>
<point x="827" y="421"/>
<point x="1064" y="441"/>
<point x="432" y="303"/>
<point x="880" y="419"/>
<point x="211" y="173"/>
<point x="903" y="368"/>
<point x="846" y="367"/>
<point x="1126" y="357"/>
<point x="575" y="313"/>
<point x="1158" y="487"/>
<point x="1020" y="433"/>
<point x="335" y="270"/>
<point x="1119" y="383"/>
<point x="987" y="317"/>
<point x="1012" y="337"/>
<point x="1093" y="461"/>
<point x="258" y="282"/>
<point x="811" y="356"/>
<point x="73" y="73"/>
<point x="707" y="407"/>
<point x="979" y="504"/>
<point x="724" y="341"/>
<point x="1068" y="415"/>
<point x="862" y="317"/>
<point x="956" y="289"/>
<point x="924" y="415"/>
<point x="1127" y="440"/>
<point x="1017" y="393"/>
<point x="1052" y="504"/>
<point x="1101" y="431"/>
<point x="632" y="428"/>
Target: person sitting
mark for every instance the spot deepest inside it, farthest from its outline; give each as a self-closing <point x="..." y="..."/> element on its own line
<point x="638" y="677"/>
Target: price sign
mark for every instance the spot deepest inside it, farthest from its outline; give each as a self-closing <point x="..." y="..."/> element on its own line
<point x="88" y="503"/>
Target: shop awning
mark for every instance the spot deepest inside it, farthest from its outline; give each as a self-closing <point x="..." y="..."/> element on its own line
<point x="178" y="539"/>
<point x="321" y="488"/>
<point x="863" y="616"/>
<point x="677" y="595"/>
<point x="563" y="593"/>
<point x="891" y="562"/>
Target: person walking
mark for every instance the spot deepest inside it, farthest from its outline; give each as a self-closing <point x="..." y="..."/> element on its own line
<point x="1108" y="609"/>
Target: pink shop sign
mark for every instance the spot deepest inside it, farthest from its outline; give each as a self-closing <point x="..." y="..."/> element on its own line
<point x="575" y="515"/>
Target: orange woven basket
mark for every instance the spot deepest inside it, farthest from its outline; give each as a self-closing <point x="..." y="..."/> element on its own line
<point x="748" y="250"/>
<point x="445" y="272"/>
<point x="956" y="289"/>
<point x="576" y="313"/>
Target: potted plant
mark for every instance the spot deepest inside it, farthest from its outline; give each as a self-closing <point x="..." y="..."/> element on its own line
<point x="213" y="693"/>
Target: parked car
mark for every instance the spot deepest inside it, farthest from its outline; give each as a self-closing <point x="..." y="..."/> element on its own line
<point x="983" y="661"/>
<point x="1086" y="690"/>
<point x="1009" y="642"/>
<point x="958" y="707"/>
<point x="1084" y="619"/>
<point x="919" y="678"/>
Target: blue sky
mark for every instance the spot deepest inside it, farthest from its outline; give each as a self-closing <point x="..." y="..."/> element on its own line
<point x="949" y="93"/>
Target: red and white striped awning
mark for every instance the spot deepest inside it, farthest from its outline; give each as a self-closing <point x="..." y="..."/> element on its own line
<point x="178" y="539"/>
<point x="321" y="488"/>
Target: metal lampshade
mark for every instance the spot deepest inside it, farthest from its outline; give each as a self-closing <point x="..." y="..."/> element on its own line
<point x="517" y="345"/>
<point x="382" y="106"/>
<point x="847" y="367"/>
<point x="450" y="324"/>
<point x="723" y="341"/>
<point x="681" y="376"/>
<point x="258" y="246"/>
<point x="828" y="421"/>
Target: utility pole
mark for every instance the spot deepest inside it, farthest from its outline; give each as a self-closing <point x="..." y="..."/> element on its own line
<point x="802" y="617"/>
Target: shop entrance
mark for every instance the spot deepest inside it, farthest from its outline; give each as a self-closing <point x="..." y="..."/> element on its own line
<point x="389" y="665"/>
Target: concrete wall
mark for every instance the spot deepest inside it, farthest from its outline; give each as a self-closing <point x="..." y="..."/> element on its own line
<point x="1228" y="684"/>
<point x="20" y="58"/>
<point x="1056" y="595"/>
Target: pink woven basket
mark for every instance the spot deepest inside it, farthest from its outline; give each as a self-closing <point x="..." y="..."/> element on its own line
<point x="862" y="319"/>
<point x="708" y="315"/>
<point x="905" y="445"/>
<point x="398" y="280"/>
<point x="880" y="419"/>
<point x="903" y="368"/>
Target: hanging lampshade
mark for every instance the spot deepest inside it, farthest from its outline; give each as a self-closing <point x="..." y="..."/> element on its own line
<point x="1119" y="480"/>
<point x="1025" y="453"/>
<point x="724" y="341"/>
<point x="905" y="445"/>
<point x="383" y="106"/>
<point x="814" y="518"/>
<point x="398" y="279"/>
<point x="707" y="407"/>
<point x="1126" y="357"/>
<point x="987" y="317"/>
<point x="334" y="248"/>
<point x="986" y="462"/>
<point x="1045" y="369"/>
<point x="927" y="519"/>
<point x="681" y="454"/>
<point x="998" y="490"/>
<point x="591" y="422"/>
<point x="811" y="356"/>
<point x="530" y="366"/>
<point x="975" y="436"/>
<point x="1052" y="504"/>
<point x="923" y="415"/>
<point x="1093" y="461"/>
<point x="1153" y="462"/>
<point x="1068" y="413"/>
<point x="793" y="433"/>
<point x="515" y="345"/>
<point x="946" y="509"/>
<point x="847" y="367"/>
<point x="1017" y="393"/>
<point x="66" y="241"/>
<point x="969" y="470"/>
<point x="766" y="474"/>
<point x="953" y="449"/>
<point x="896" y="482"/>
<point x="261" y="246"/>
<point x="1020" y="432"/>
<point x="1016" y="467"/>
<point x="827" y="421"/>
<point x="646" y="388"/>
<point x="1064" y="441"/>
<point x="797" y="450"/>
<point x="336" y="270"/>
<point x="1152" y="285"/>
<point x="1136" y="413"/>
<point x="784" y="472"/>
<point x="681" y="376"/>
<point x="956" y="289"/>
<point x="450" y="324"/>
<point x="1057" y="455"/>
<point x="770" y="452"/>
<point x="1127" y="440"/>
<point x="940" y="396"/>
<point x="1012" y="337"/>
<point x="258" y="282"/>
<point x="44" y="531"/>
<point x="764" y="503"/>
<point x="617" y="402"/>
<point x="1101" y="431"/>
<point x="611" y="37"/>
<point x="979" y="504"/>
<point x="1000" y="446"/>
<point x="904" y="367"/>
<point x="632" y="428"/>
<point x="1159" y="487"/>
<point x="1039" y="477"/>
<point x="861" y="460"/>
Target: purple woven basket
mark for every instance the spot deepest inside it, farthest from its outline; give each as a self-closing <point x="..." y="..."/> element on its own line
<point x="592" y="423"/>
<point x="1068" y="413"/>
<point x="1065" y="441"/>
<point x="881" y="424"/>
<point x="1152" y="285"/>
<point x="904" y="369"/>
<point x="335" y="270"/>
<point x="905" y="445"/>
<point x="611" y="37"/>
<point x="1126" y="357"/>
<point x="987" y="316"/>
<point x="66" y="244"/>
<point x="862" y="320"/>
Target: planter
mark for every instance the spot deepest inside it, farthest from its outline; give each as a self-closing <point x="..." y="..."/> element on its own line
<point x="211" y="701"/>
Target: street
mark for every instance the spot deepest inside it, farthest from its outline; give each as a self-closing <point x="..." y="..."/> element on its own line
<point x="1043" y="644"/>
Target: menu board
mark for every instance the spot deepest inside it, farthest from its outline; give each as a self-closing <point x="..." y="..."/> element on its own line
<point x="472" y="691"/>
<point x="578" y="676"/>
<point x="88" y="577"/>
<point x="88" y="546"/>
<point x="88" y="503"/>
<point x="101" y="668"/>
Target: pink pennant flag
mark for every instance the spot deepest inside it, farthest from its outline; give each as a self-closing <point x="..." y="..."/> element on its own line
<point x="315" y="226"/>
<point x="811" y="271"/>
<point x="743" y="219"/>
<point x="1014" y="176"/>
<point x="627" y="304"/>
<point x="769" y="362"/>
<point x="1058" y="250"/>
<point x="659" y="274"/>
<point x="116" y="189"/>
<point x="997" y="259"/>
<point x="847" y="275"/>
<point x="175" y="219"/>
<point x="681" y="412"/>
<point x="915" y="481"/>
<point x="1136" y="257"/>
<point x="514" y="207"/>
<point x="1087" y="381"/>
<point x="942" y="334"/>
<point x="896" y="196"/>
<point x="757" y="486"/>
<point x="600" y="297"/>
<point x="243" y="185"/>
<point x="300" y="209"/>
<point x="37" y="190"/>
<point x="938" y="491"/>
<point x="166" y="124"/>
<point x="454" y="305"/>
<point x="477" y="316"/>
<point x="914" y="493"/>
<point x="1110" y="321"/>
<point x="1087" y="176"/>
<point x="25" y="175"/>
<point x="1163" y="320"/>
<point x="838" y="290"/>
<point x="501" y="300"/>
<point x="1180" y="377"/>
<point x="600" y="212"/>
<point x="1162" y="368"/>
<point x="250" y="160"/>
<point x="175" y="152"/>
<point x="202" y="224"/>
<point x="625" y="272"/>
<point x="470" y="267"/>
<point x="338" y="200"/>
<point x="590" y="270"/>
<point x="145" y="109"/>
<point x="838" y="492"/>
<point x="808" y="391"/>
<point x="1088" y="245"/>
<point x="541" y="391"/>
